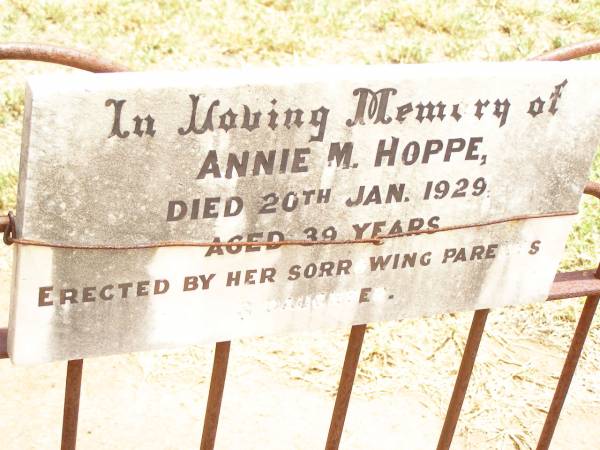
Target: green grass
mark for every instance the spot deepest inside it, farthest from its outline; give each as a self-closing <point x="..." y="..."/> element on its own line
<point x="583" y="244"/>
<point x="8" y="183"/>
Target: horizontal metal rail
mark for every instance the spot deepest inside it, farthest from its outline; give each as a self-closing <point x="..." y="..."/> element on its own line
<point x="59" y="55"/>
<point x="580" y="283"/>
<point x="572" y="51"/>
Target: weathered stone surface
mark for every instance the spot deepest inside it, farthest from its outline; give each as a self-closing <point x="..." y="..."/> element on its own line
<point x="121" y="159"/>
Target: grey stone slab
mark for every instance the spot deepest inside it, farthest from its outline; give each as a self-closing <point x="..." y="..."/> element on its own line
<point x="291" y="153"/>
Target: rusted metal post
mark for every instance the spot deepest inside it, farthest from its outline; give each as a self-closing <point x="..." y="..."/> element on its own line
<point x="71" y="408"/>
<point x="3" y="343"/>
<point x="342" y="400"/>
<point x="215" y="395"/>
<point x="566" y="376"/>
<point x="462" y="379"/>
<point x="568" y="370"/>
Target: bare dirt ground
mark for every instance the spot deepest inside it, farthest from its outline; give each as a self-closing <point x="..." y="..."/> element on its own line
<point x="280" y="392"/>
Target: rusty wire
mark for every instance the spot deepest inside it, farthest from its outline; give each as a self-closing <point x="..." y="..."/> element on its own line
<point x="9" y="237"/>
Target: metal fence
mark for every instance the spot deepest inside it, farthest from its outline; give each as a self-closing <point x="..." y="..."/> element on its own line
<point x="566" y="285"/>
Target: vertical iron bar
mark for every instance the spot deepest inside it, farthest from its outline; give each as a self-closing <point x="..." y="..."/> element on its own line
<point x="215" y="395"/>
<point x="3" y="343"/>
<point x="566" y="376"/>
<point x="357" y="334"/>
<point x="71" y="407"/>
<point x="462" y="379"/>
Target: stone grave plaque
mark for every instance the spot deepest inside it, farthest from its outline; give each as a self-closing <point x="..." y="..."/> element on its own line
<point x="425" y="189"/>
